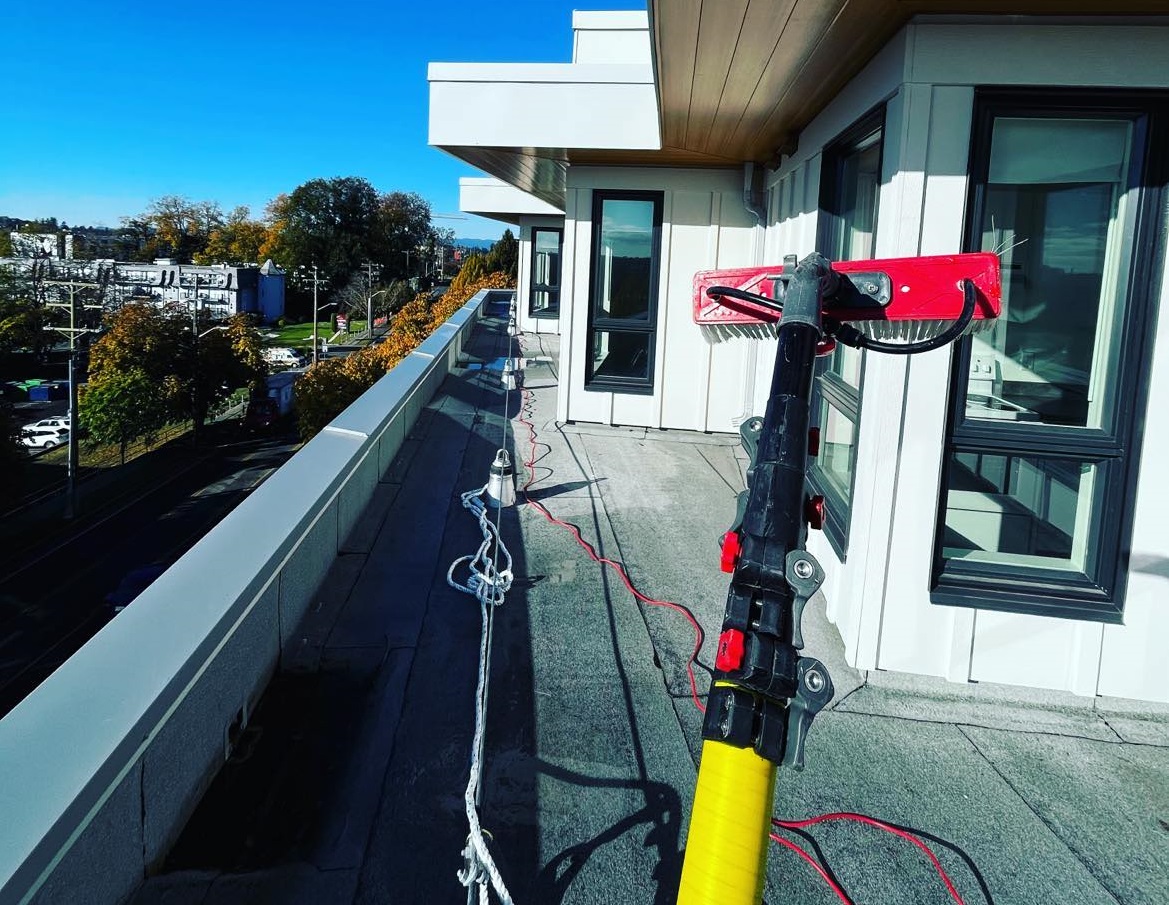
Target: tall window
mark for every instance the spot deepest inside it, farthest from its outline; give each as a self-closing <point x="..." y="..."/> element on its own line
<point x="849" y="187"/>
<point x="624" y="291"/>
<point x="544" y="300"/>
<point x="1043" y="429"/>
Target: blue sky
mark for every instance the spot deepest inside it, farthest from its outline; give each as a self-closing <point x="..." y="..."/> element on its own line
<point x="113" y="104"/>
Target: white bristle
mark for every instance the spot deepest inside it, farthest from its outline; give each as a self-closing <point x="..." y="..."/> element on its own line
<point x="914" y="331"/>
<point x="718" y="333"/>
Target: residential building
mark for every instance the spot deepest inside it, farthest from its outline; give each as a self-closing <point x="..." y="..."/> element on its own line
<point x="992" y="508"/>
<point x="221" y="290"/>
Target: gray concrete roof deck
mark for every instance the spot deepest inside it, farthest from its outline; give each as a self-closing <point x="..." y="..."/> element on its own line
<point x="352" y="792"/>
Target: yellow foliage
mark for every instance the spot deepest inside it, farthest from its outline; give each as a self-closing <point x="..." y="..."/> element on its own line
<point x="331" y="385"/>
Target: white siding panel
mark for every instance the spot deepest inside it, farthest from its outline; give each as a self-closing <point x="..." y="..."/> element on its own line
<point x="932" y="129"/>
<point x="1036" y="651"/>
<point x="581" y="405"/>
<point x="685" y="380"/>
<point x="1134" y="662"/>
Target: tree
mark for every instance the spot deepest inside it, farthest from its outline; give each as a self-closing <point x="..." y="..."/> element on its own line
<point x="122" y="406"/>
<point x="188" y="373"/>
<point x="175" y="227"/>
<point x="407" y="234"/>
<point x="504" y="255"/>
<point x="238" y="240"/>
<point x="332" y="223"/>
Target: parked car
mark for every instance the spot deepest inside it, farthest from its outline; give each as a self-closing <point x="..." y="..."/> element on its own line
<point x="285" y="357"/>
<point x="132" y="584"/>
<point x="43" y="437"/>
<point x="61" y="422"/>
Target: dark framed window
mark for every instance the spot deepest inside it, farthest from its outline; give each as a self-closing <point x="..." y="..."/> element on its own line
<point x="623" y="294"/>
<point x="544" y="293"/>
<point x="1043" y="433"/>
<point x="850" y="185"/>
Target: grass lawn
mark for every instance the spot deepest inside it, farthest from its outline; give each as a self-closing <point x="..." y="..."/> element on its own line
<point x="301" y="335"/>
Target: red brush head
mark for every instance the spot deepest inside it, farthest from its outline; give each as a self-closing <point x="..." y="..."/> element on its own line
<point x="897" y="298"/>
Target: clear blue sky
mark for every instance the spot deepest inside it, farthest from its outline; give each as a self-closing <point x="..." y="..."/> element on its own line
<point x="110" y="105"/>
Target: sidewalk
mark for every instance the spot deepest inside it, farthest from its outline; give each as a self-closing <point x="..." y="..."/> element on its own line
<point x="354" y="791"/>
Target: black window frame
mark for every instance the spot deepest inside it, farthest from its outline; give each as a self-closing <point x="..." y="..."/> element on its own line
<point x="611" y="384"/>
<point x="1114" y="449"/>
<point x="553" y="310"/>
<point x="828" y="387"/>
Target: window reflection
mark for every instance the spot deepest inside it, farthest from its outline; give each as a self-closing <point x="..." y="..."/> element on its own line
<point x="545" y="292"/>
<point x="625" y="259"/>
<point x="1026" y="510"/>
<point x="1054" y="220"/>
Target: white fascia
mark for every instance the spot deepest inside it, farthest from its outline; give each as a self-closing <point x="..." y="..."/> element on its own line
<point x="490" y="197"/>
<point x="555" y="106"/>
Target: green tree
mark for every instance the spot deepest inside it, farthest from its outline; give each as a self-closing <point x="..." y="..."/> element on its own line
<point x="120" y="407"/>
<point x="174" y="227"/>
<point x="504" y="255"/>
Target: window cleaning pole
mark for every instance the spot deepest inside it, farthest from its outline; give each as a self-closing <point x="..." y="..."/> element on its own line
<point x="764" y="694"/>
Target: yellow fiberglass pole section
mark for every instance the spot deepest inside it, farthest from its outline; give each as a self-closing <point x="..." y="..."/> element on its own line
<point x="726" y="848"/>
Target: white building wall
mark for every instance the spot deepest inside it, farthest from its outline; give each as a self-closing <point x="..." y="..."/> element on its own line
<point x="697" y="386"/>
<point x="614" y="36"/>
<point x="879" y="598"/>
<point x="526" y="322"/>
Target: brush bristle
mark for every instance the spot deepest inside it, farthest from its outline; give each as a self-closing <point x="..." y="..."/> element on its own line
<point x="909" y="331"/>
<point x="718" y="333"/>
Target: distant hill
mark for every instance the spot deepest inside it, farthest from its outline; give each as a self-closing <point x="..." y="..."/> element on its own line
<point x="475" y="243"/>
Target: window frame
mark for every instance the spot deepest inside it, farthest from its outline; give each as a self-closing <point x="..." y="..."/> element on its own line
<point x="1114" y="449"/>
<point x="552" y="311"/>
<point x="628" y="385"/>
<point x="830" y="387"/>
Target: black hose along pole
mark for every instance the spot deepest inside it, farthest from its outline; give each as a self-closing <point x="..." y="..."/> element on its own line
<point x="764" y="694"/>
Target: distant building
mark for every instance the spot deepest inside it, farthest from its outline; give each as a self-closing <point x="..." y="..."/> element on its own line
<point x="221" y="290"/>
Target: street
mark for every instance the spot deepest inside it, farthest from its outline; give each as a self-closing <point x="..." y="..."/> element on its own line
<point x="55" y="603"/>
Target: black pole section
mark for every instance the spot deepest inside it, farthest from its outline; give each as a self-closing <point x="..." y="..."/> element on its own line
<point x="749" y="700"/>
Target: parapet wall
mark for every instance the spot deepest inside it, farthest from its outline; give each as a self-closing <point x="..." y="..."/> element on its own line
<point x="103" y="763"/>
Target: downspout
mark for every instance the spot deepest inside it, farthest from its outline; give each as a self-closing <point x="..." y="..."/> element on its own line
<point x="754" y="192"/>
<point x="755" y="201"/>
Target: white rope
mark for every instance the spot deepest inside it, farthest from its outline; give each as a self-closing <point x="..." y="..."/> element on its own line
<point x="489" y="585"/>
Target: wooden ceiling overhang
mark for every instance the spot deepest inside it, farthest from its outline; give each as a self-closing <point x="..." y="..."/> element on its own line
<point x="737" y="80"/>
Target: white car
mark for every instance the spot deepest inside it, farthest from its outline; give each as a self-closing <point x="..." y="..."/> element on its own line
<point x="43" y="437"/>
<point x="59" y="423"/>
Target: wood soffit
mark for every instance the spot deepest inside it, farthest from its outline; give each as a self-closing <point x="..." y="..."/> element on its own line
<point x="739" y="79"/>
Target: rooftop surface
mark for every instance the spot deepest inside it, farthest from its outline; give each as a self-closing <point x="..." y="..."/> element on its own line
<point x="350" y="787"/>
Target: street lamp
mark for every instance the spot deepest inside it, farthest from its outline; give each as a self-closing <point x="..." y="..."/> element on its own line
<point x="317" y="309"/>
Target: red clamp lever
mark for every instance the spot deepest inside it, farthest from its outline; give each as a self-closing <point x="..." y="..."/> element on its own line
<point x="730" y="651"/>
<point x="731" y="550"/>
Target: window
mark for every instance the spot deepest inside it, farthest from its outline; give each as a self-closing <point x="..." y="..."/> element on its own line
<point x="1043" y="439"/>
<point x="624" y="291"/>
<point x="544" y="298"/>
<point x="849" y="188"/>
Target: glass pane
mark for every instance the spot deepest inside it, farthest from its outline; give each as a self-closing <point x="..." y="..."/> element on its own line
<point x="546" y="259"/>
<point x="845" y="362"/>
<point x="837" y="458"/>
<point x="1057" y="222"/>
<point x="624" y="265"/>
<point x="621" y="355"/>
<point x="856" y="202"/>
<point x="1021" y="510"/>
<point x="544" y="301"/>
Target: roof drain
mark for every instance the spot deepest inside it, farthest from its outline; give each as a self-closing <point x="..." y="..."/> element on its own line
<point x="754" y="193"/>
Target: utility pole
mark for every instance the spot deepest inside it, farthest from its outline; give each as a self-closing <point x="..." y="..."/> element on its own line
<point x="369" y="266"/>
<point x="194" y="357"/>
<point x="73" y="332"/>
